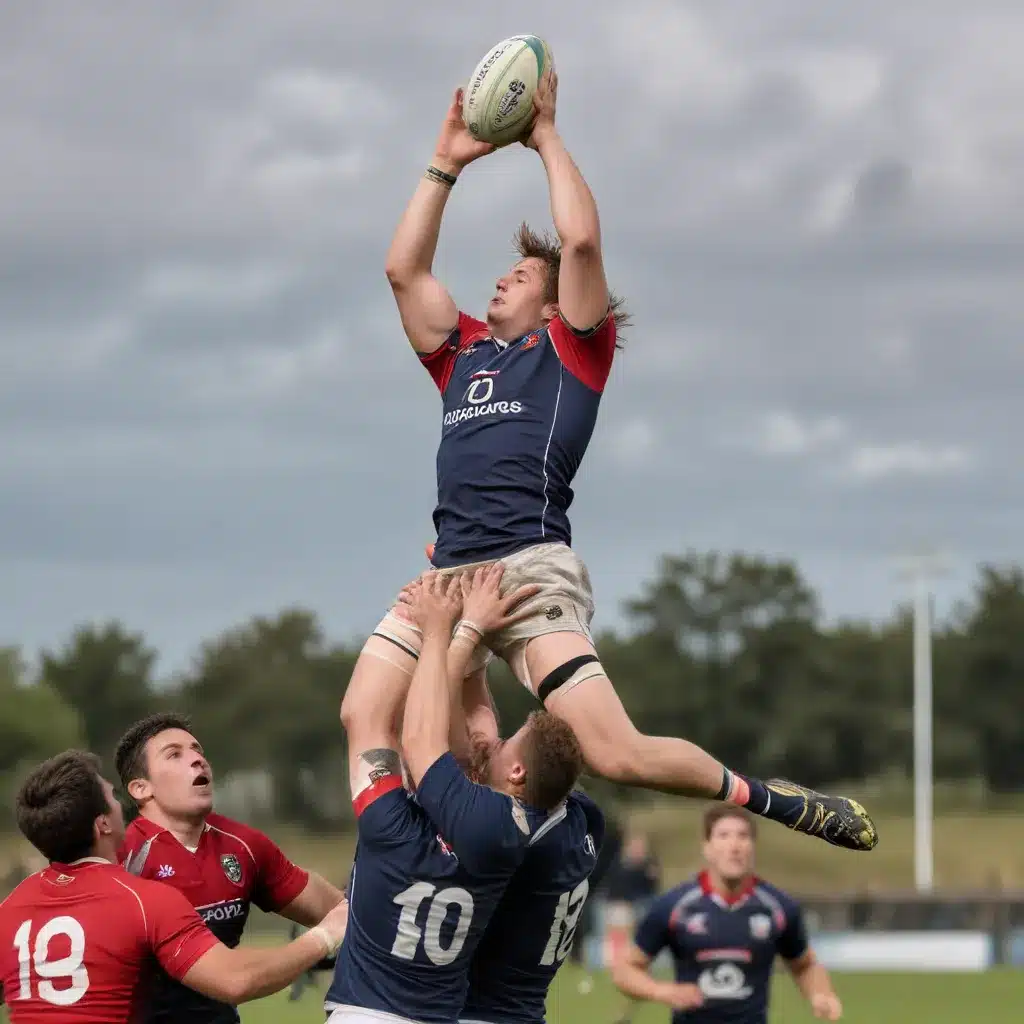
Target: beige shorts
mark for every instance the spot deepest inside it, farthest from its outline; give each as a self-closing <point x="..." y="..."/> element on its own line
<point x="565" y="604"/>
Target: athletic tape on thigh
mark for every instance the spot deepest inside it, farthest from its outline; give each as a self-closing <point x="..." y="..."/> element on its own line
<point x="569" y="674"/>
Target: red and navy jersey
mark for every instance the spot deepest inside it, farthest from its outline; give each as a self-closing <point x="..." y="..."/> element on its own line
<point x="79" y="943"/>
<point x="727" y="946"/>
<point x="233" y="867"/>
<point x="533" y="929"/>
<point x="429" y="872"/>
<point x="518" y="417"/>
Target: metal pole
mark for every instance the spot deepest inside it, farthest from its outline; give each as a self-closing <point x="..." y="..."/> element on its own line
<point x="922" y="716"/>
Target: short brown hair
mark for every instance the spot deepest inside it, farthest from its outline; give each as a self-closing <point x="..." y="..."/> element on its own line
<point x="130" y="756"/>
<point x="58" y="804"/>
<point x="530" y="244"/>
<point x="552" y="758"/>
<point x="721" y="812"/>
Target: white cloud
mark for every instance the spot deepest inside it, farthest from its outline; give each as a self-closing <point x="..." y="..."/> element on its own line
<point x="634" y="442"/>
<point x="905" y="459"/>
<point x="785" y="433"/>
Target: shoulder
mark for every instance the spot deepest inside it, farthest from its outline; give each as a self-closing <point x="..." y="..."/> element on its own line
<point x="22" y="893"/>
<point x="587" y="355"/>
<point x="239" y="837"/>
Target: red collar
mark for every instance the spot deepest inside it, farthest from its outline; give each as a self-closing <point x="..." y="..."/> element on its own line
<point x="729" y="898"/>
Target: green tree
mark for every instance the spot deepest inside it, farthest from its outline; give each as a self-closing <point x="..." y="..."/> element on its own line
<point x="106" y="674"/>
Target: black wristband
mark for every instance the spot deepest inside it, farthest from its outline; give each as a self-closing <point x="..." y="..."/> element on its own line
<point x="435" y="174"/>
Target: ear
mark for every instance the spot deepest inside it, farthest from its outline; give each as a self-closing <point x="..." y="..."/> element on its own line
<point x="517" y="774"/>
<point x="550" y="311"/>
<point x="139" y="790"/>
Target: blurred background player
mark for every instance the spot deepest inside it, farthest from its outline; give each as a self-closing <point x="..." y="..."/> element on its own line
<point x="430" y="869"/>
<point x="520" y="394"/>
<point x="79" y="939"/>
<point x="724" y="930"/>
<point x="221" y="866"/>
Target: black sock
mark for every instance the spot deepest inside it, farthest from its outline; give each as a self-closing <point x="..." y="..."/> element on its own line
<point x="768" y="803"/>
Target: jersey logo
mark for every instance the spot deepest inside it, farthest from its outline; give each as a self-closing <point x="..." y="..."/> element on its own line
<point x="726" y="981"/>
<point x="552" y="612"/>
<point x="531" y="342"/>
<point x="760" y="926"/>
<point x="697" y="924"/>
<point x="165" y="871"/>
<point x="445" y="848"/>
<point x="63" y="879"/>
<point x="588" y="845"/>
<point x="233" y="870"/>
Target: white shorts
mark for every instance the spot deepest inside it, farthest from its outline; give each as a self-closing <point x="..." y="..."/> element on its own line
<point x="565" y="604"/>
<point x="360" y="1015"/>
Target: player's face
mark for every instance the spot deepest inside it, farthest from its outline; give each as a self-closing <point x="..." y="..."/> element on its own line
<point x="730" y="850"/>
<point x="519" y="306"/>
<point x="500" y="765"/>
<point x="111" y="824"/>
<point x="180" y="778"/>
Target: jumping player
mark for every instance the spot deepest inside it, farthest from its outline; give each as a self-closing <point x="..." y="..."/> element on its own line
<point x="520" y="392"/>
<point x="724" y="930"/>
<point x="78" y="939"/>
<point x="431" y="867"/>
<point x="221" y="866"/>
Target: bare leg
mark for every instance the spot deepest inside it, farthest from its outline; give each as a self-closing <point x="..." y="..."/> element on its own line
<point x="615" y="748"/>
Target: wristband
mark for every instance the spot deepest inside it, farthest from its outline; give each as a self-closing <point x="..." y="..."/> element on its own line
<point x="439" y="177"/>
<point x="471" y="626"/>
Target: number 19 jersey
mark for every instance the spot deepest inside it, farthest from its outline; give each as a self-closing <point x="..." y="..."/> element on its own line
<point x="429" y="872"/>
<point x="533" y="929"/>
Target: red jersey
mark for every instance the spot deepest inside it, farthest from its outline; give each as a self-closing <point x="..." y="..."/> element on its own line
<point x="233" y="867"/>
<point x="78" y="943"/>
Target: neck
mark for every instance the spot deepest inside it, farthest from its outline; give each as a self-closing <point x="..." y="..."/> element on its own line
<point x="186" y="830"/>
<point x="730" y="886"/>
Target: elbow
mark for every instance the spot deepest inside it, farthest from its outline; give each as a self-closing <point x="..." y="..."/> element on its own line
<point x="582" y="245"/>
<point x="239" y="986"/>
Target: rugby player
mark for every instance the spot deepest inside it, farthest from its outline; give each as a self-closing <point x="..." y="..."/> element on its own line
<point x="221" y="866"/>
<point x="520" y="392"/>
<point x="78" y="940"/>
<point x="724" y="930"/>
<point x="432" y="865"/>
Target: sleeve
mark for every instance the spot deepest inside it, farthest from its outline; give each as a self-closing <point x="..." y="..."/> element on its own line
<point x="278" y="880"/>
<point x="441" y="362"/>
<point x="792" y="942"/>
<point x="384" y="813"/>
<point x="487" y="830"/>
<point x="177" y="935"/>
<point x="652" y="933"/>
<point x="587" y="355"/>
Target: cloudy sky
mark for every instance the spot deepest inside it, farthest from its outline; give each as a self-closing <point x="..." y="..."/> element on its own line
<point x="208" y="408"/>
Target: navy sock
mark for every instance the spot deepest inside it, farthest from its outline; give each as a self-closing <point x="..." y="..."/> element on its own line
<point x="759" y="800"/>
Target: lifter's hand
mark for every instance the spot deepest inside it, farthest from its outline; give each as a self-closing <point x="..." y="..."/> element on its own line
<point x="434" y="602"/>
<point x="826" y="1006"/>
<point x="455" y="146"/>
<point x="544" y="102"/>
<point x="482" y="603"/>
<point x="335" y="924"/>
<point x="684" y="996"/>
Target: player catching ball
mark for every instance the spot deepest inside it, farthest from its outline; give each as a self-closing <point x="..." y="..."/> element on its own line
<point x="521" y="390"/>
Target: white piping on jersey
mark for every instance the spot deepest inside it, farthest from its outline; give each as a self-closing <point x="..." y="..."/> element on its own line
<point x="690" y="896"/>
<point x="138" y="898"/>
<point x="231" y="835"/>
<point x="361" y="1012"/>
<point x="547" y="449"/>
<point x="557" y="815"/>
<point x="90" y="860"/>
<point x="772" y="904"/>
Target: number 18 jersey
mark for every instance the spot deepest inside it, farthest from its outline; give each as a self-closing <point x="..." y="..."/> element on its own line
<point x="532" y="931"/>
<point x="429" y="872"/>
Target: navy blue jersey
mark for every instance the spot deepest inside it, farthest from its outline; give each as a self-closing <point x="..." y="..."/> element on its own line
<point x="725" y="946"/>
<point x="518" y="417"/>
<point x="428" y="873"/>
<point x="533" y="929"/>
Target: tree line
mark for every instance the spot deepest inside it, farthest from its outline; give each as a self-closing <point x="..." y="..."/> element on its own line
<point x="731" y="651"/>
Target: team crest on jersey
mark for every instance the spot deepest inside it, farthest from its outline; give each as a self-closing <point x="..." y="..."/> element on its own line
<point x="697" y="924"/>
<point x="232" y="868"/>
<point x="532" y="340"/>
<point x="760" y="926"/>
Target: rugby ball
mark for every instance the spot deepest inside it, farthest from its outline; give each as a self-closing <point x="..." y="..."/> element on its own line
<point x="497" y="103"/>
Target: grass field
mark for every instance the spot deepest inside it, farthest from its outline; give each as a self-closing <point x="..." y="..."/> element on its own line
<point x="993" y="998"/>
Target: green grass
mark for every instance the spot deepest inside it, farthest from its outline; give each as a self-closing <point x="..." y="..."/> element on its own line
<point x="992" y="998"/>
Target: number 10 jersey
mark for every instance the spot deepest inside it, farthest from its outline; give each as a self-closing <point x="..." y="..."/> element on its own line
<point x="429" y="872"/>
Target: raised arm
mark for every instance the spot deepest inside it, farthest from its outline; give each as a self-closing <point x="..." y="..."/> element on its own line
<point x="428" y="312"/>
<point x="583" y="297"/>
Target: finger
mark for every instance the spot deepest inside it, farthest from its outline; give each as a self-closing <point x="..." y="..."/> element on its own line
<point x="429" y="552"/>
<point x="519" y="595"/>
